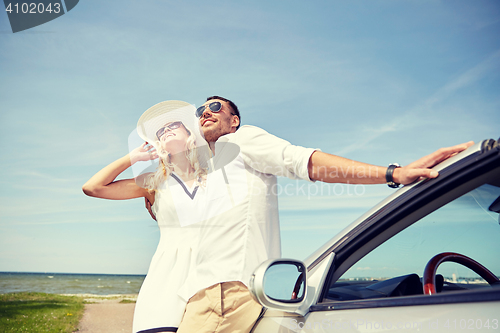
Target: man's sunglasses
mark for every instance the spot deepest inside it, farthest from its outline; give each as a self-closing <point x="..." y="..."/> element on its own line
<point x="214" y="107"/>
<point x="168" y="128"/>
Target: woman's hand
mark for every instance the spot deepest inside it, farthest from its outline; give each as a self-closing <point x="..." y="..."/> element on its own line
<point x="103" y="183"/>
<point x="144" y="152"/>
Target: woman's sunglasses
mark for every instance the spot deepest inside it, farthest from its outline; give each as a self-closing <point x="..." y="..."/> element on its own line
<point x="214" y="107"/>
<point x="168" y="128"/>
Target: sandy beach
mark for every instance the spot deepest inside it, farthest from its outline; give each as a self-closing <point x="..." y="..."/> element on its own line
<point x="106" y="314"/>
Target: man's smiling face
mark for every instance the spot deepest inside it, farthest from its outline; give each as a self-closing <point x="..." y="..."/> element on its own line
<point x="216" y="124"/>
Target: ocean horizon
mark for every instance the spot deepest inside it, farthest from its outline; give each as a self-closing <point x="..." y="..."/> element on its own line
<point x="70" y="283"/>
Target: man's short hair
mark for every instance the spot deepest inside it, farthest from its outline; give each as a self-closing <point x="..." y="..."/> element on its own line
<point x="231" y="104"/>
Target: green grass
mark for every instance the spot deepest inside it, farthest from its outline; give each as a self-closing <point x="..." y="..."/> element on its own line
<point x="39" y="312"/>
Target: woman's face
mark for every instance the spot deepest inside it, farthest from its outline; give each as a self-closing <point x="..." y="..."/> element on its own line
<point x="173" y="137"/>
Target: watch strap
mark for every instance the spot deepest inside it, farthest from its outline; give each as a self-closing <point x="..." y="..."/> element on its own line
<point x="389" y="175"/>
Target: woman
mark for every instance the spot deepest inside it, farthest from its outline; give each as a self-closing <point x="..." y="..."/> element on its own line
<point x="173" y="132"/>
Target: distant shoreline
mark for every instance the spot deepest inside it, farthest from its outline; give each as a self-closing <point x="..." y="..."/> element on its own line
<point x="93" y="298"/>
<point x="56" y="273"/>
<point x="88" y="296"/>
<point x="69" y="283"/>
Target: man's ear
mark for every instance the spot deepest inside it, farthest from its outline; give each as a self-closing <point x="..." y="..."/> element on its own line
<point x="235" y="122"/>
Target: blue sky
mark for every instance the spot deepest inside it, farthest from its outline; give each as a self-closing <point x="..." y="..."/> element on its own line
<point x="376" y="81"/>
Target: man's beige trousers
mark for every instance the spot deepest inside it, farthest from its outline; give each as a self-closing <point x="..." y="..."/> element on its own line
<point x="225" y="307"/>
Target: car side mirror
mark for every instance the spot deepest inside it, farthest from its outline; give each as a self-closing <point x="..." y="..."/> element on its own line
<point x="280" y="284"/>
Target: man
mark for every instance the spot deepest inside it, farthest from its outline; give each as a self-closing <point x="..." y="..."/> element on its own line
<point x="246" y="232"/>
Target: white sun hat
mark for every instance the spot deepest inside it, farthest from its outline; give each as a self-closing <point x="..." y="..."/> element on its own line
<point x="166" y="112"/>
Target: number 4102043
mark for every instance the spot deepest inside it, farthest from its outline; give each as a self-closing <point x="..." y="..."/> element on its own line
<point x="33" y="8"/>
<point x="471" y="324"/>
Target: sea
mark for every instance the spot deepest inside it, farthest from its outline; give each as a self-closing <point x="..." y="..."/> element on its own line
<point x="62" y="283"/>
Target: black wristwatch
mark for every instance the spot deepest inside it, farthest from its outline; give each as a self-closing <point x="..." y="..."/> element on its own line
<point x="388" y="175"/>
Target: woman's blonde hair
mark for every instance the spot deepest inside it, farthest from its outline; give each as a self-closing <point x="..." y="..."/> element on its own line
<point x="165" y="167"/>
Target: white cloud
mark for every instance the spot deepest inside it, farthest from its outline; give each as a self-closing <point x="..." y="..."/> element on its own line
<point x="363" y="268"/>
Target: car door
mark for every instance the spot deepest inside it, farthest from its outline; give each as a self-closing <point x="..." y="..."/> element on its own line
<point x="375" y="282"/>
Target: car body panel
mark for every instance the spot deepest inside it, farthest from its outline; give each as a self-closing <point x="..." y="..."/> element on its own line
<point x="423" y="318"/>
<point x="416" y="318"/>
